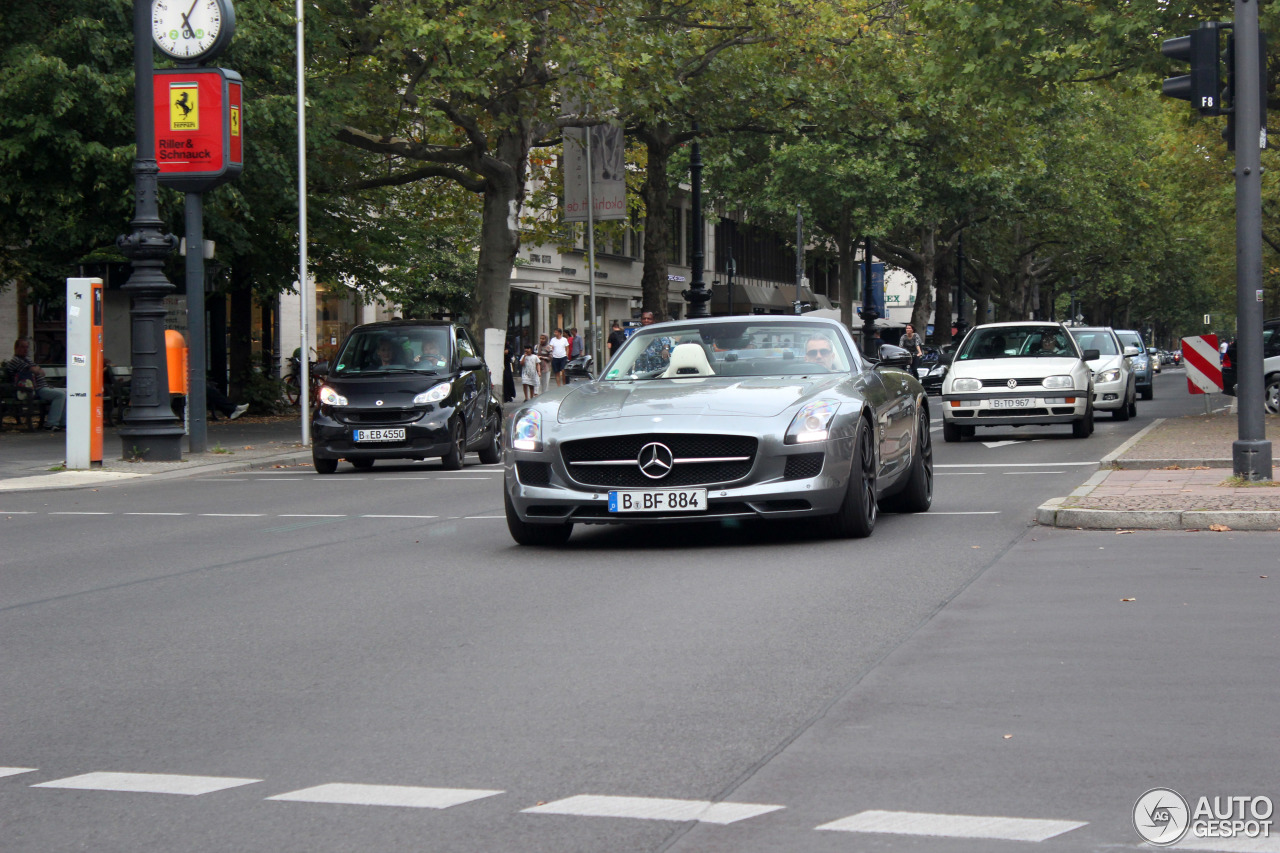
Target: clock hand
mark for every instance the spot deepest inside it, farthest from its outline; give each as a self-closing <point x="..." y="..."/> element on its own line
<point x="186" y="20"/>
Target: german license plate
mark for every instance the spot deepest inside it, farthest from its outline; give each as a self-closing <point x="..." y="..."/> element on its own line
<point x="1012" y="403"/>
<point x="379" y="434"/>
<point x="659" y="500"/>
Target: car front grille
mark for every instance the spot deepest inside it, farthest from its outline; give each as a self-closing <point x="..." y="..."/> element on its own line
<point x="1033" y="382"/>
<point x="613" y="461"/>
<point x="379" y="418"/>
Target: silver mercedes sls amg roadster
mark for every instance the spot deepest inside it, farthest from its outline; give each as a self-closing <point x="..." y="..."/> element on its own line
<point x="761" y="417"/>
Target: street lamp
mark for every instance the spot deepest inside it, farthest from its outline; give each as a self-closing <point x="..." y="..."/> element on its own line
<point x="151" y="431"/>
<point x="697" y="295"/>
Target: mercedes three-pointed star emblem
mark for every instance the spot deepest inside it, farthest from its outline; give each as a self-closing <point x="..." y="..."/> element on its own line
<point x="655" y="460"/>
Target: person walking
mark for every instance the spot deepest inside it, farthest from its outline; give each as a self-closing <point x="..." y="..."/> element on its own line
<point x="543" y="352"/>
<point x="617" y="338"/>
<point x="559" y="356"/>
<point x="914" y="344"/>
<point x="530" y="367"/>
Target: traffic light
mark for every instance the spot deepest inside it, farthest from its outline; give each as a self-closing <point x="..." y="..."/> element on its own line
<point x="1228" y="99"/>
<point x="1200" y="87"/>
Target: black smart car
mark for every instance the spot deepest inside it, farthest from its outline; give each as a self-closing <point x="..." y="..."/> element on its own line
<point x="406" y="389"/>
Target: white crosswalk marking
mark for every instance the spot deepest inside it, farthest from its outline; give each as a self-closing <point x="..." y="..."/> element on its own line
<point x="14" y="771"/>
<point x="953" y="825"/>
<point x="652" y="808"/>
<point x="386" y="795"/>
<point x="148" y="783"/>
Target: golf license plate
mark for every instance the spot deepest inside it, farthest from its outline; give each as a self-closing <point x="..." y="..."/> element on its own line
<point x="1013" y="403"/>
<point x="659" y="500"/>
<point x="396" y="434"/>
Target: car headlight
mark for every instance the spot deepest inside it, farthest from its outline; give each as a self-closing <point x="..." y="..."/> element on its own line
<point x="330" y="397"/>
<point x="435" y="395"/>
<point x="1112" y="375"/>
<point x="812" y="422"/>
<point x="1061" y="381"/>
<point x="966" y="385"/>
<point x="526" y="432"/>
<point x="939" y="370"/>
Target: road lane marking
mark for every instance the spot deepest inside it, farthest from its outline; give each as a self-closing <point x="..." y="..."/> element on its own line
<point x="477" y="517"/>
<point x="14" y="771"/>
<point x="1023" y="473"/>
<point x="308" y="515"/>
<point x="953" y="825"/>
<point x="652" y="808"/>
<point x="399" y="516"/>
<point x="1093" y="464"/>
<point x="156" y="513"/>
<point x="148" y="783"/>
<point x="386" y="795"/>
<point x="232" y="514"/>
<point x="70" y="512"/>
<point x="966" y="512"/>
<point x="961" y="474"/>
<point x="18" y="512"/>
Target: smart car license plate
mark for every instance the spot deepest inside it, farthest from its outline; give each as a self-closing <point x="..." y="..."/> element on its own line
<point x="379" y="434"/>
<point x="1013" y="403"/>
<point x="659" y="500"/>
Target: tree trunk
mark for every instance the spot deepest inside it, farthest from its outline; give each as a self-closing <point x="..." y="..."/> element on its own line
<point x="925" y="276"/>
<point x="943" y="285"/>
<point x="504" y="186"/>
<point x="657" y="233"/>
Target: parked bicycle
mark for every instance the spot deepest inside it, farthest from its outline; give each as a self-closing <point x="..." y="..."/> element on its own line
<point x="293" y="382"/>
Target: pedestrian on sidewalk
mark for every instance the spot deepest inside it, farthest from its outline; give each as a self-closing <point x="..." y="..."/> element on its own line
<point x="216" y="401"/>
<point x="530" y="365"/>
<point x="29" y="377"/>
<point x="559" y="355"/>
<point x="543" y="351"/>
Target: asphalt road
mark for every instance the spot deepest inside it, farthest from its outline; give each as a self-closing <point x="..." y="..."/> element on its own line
<point x="279" y="661"/>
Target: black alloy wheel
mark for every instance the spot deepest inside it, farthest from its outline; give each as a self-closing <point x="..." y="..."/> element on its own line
<point x="324" y="466"/>
<point x="918" y="495"/>
<point x="361" y="464"/>
<point x="540" y="535"/>
<point x="491" y="450"/>
<point x="857" y="515"/>
<point x="452" y="461"/>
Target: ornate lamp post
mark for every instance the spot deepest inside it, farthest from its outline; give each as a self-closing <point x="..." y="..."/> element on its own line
<point x="697" y="295"/>
<point x="151" y="431"/>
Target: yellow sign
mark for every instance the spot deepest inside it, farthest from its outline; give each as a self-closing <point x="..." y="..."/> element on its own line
<point x="235" y="121"/>
<point x="184" y="106"/>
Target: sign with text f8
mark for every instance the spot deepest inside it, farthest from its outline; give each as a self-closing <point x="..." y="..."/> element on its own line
<point x="198" y="127"/>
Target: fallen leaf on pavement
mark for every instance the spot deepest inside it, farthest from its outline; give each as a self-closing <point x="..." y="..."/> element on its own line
<point x="1264" y="577"/>
<point x="1006" y="737"/>
<point x="1119" y="532"/>
<point x="1128" y="599"/>
<point x="1219" y="527"/>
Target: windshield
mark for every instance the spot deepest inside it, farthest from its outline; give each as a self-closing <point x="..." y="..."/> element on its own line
<point x="1100" y="339"/>
<point x="1131" y="339"/>
<point x="394" y="350"/>
<point x="730" y="349"/>
<point x="1015" y="342"/>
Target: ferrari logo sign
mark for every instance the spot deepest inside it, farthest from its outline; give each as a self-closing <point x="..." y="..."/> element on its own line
<point x="235" y="121"/>
<point x="184" y="106"/>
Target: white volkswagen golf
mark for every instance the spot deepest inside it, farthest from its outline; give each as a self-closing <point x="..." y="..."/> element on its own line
<point x="1017" y="374"/>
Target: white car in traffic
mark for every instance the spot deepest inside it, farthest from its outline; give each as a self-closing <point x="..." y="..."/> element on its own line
<point x="1115" y="385"/>
<point x="1017" y="374"/>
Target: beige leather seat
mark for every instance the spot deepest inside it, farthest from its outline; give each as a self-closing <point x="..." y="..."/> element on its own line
<point x="688" y="360"/>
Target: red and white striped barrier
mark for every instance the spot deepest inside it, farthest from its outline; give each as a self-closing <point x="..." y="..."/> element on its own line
<point x="1203" y="362"/>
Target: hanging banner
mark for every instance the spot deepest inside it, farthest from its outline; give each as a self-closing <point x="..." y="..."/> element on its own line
<point x="608" y="166"/>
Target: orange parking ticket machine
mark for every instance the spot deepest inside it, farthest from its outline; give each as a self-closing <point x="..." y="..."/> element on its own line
<point x="175" y="350"/>
<point x="84" y="372"/>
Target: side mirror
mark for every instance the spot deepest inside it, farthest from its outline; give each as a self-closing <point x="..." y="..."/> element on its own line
<point x="321" y="368"/>
<point x="470" y="362"/>
<point x="1092" y="355"/>
<point x="1131" y="351"/>
<point x="946" y="358"/>
<point x="891" y="356"/>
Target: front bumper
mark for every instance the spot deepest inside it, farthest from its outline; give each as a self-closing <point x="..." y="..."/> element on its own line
<point x="784" y="482"/>
<point x="981" y="408"/>
<point x="426" y="435"/>
<point x="1110" y="396"/>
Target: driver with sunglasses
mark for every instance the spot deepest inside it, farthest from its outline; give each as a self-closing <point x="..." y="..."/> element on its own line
<point x="818" y="350"/>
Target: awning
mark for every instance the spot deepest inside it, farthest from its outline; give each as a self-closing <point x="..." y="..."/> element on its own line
<point x="533" y="288"/>
<point x="748" y="298"/>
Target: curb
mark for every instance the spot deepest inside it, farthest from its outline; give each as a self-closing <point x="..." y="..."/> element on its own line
<point x="100" y="477"/>
<point x="1052" y="514"/>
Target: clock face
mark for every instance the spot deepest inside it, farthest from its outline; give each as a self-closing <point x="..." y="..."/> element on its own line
<point x="191" y="29"/>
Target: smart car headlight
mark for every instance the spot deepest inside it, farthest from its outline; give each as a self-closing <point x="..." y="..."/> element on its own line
<point x="435" y="395"/>
<point x="330" y="397"/>
<point x="1112" y="375"/>
<point x="526" y="432"/>
<point x="1060" y="381"/>
<point x="966" y="385"/>
<point x="812" y="422"/>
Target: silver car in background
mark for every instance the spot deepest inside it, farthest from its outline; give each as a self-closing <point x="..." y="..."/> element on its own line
<point x="727" y="418"/>
<point x="1114" y="385"/>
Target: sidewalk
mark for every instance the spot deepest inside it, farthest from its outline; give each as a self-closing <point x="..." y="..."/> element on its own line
<point x="1174" y="475"/>
<point x="34" y="460"/>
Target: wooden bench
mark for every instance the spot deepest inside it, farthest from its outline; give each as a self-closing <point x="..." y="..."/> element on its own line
<point x="24" y="408"/>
